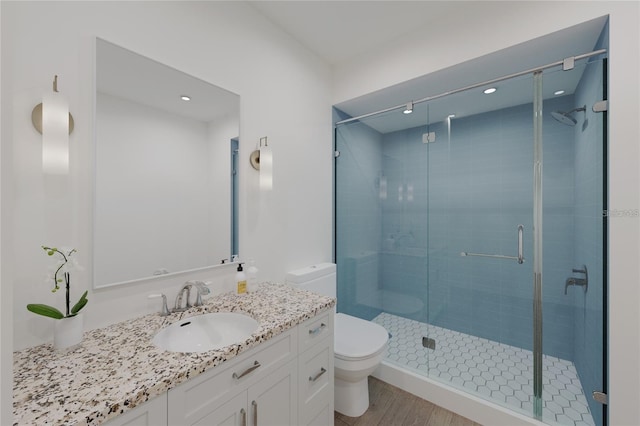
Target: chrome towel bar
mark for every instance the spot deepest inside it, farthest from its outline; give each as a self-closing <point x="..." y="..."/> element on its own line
<point x="519" y="258"/>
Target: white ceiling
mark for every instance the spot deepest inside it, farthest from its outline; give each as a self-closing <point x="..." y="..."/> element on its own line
<point x="340" y="30"/>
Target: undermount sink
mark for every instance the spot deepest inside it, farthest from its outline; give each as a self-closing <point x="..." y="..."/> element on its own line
<point x="206" y="332"/>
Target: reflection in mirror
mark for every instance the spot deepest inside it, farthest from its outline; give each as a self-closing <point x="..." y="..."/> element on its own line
<point x="164" y="174"/>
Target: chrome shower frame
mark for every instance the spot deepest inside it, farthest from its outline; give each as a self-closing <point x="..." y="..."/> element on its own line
<point x="562" y="63"/>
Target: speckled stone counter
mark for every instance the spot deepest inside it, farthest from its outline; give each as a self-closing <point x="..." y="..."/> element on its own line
<point x="117" y="368"/>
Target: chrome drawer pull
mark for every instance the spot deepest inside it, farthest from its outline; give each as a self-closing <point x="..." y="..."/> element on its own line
<point x="255" y="365"/>
<point x="318" y="329"/>
<point x="317" y="376"/>
<point x="243" y="413"/>
<point x="254" y="404"/>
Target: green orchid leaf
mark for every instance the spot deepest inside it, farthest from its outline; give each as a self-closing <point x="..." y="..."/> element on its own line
<point x="80" y="304"/>
<point x="45" y="310"/>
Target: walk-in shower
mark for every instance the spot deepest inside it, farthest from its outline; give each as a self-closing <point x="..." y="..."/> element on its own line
<point x="458" y="227"/>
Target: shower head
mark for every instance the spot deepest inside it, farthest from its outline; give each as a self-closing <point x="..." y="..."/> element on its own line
<point x="565" y="118"/>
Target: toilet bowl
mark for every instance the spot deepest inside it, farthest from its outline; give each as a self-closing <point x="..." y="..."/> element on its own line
<point x="359" y="345"/>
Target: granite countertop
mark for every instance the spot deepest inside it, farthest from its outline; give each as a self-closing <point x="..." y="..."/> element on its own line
<point x="117" y="367"/>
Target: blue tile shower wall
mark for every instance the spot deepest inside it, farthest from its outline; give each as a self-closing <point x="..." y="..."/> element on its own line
<point x="466" y="193"/>
<point x="558" y="229"/>
<point x="470" y="194"/>
<point x="404" y="261"/>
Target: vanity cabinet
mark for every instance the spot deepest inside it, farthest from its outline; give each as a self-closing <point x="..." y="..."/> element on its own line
<point x="287" y="380"/>
<point x="258" y="384"/>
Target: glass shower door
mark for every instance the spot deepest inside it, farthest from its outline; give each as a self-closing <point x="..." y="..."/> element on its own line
<point x="531" y="335"/>
<point x="480" y="233"/>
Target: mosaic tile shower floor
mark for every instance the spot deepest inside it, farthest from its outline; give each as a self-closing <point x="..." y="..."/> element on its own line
<point x="494" y="371"/>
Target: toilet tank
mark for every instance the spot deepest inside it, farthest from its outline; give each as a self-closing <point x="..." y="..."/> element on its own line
<point x="320" y="278"/>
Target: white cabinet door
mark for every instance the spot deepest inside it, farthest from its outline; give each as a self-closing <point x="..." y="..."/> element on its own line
<point x="231" y="413"/>
<point x="273" y="400"/>
<point x="151" y="413"/>
<point x="201" y="396"/>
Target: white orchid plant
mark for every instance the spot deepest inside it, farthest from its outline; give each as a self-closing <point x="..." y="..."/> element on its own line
<point x="61" y="274"/>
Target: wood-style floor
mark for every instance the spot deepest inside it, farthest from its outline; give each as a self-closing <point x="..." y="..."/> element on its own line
<point x="391" y="406"/>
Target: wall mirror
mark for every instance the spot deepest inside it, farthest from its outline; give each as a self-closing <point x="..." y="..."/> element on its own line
<point x="165" y="181"/>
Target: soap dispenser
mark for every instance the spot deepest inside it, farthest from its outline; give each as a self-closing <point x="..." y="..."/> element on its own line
<point x="241" y="281"/>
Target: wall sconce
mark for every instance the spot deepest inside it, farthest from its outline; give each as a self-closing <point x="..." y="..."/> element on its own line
<point x="262" y="160"/>
<point x="52" y="119"/>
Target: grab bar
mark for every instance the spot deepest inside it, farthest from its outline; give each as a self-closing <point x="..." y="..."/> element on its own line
<point x="519" y="258"/>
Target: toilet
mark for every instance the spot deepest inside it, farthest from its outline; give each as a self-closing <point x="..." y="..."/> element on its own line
<point x="359" y="345"/>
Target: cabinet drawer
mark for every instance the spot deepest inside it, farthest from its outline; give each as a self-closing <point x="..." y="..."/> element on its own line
<point x="199" y="396"/>
<point x="315" y="329"/>
<point x="268" y="357"/>
<point x="315" y="379"/>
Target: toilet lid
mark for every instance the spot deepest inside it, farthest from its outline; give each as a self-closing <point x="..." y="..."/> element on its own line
<point x="356" y="338"/>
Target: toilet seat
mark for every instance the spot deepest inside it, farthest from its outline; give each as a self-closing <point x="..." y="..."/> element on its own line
<point x="357" y="339"/>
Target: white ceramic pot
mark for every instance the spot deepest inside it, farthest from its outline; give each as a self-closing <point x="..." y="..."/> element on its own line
<point x="68" y="332"/>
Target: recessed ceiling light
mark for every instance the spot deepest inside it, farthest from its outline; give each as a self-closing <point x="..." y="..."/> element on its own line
<point x="558" y="92"/>
<point x="185" y="98"/>
<point x="490" y="90"/>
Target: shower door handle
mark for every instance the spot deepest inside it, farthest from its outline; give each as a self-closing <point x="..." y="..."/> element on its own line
<point x="519" y="258"/>
<point x="520" y="245"/>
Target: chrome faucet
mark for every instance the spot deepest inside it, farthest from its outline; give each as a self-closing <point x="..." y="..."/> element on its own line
<point x="201" y="289"/>
<point x="582" y="282"/>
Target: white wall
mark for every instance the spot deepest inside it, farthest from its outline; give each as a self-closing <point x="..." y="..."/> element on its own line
<point x="6" y="291"/>
<point x="491" y="26"/>
<point x="225" y="43"/>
